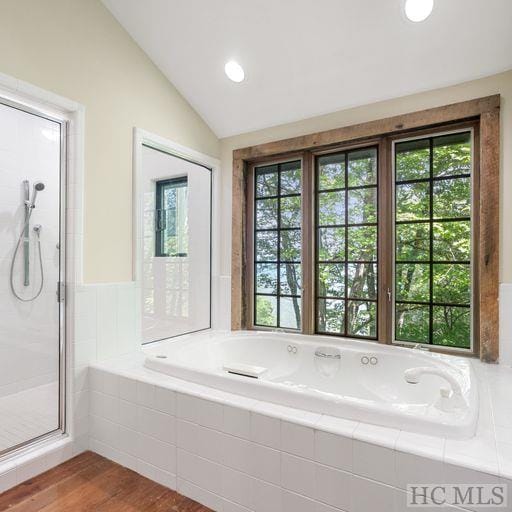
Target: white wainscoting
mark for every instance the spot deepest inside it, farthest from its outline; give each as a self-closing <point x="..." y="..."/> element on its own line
<point x="506" y="324"/>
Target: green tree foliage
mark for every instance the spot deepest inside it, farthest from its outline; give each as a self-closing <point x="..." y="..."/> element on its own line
<point x="347" y="243"/>
<point x="432" y="242"/>
<point x="278" y="246"/>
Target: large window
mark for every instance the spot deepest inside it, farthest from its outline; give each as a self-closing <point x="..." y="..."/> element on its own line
<point x="277" y="245"/>
<point x="355" y="244"/>
<point x="433" y="240"/>
<point x="346" y="243"/>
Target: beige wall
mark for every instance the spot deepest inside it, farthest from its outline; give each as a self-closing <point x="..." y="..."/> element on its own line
<point x="501" y="83"/>
<point x="75" y="48"/>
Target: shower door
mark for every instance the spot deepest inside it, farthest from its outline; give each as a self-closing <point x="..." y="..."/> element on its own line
<point x="32" y="162"/>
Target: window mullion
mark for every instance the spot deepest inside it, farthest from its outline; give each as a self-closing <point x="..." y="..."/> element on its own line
<point x="385" y="243"/>
<point x="308" y="244"/>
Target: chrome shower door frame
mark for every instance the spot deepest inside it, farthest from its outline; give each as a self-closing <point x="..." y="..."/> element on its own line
<point x="60" y="295"/>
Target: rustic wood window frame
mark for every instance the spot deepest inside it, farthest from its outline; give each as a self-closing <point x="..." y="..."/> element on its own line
<point x="483" y="114"/>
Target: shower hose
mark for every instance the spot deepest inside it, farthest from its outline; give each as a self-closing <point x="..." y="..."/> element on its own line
<point x="34" y="297"/>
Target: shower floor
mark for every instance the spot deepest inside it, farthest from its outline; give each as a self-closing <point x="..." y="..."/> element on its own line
<point x="28" y="414"/>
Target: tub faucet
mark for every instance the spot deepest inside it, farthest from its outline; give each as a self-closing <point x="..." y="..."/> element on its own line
<point x="448" y="401"/>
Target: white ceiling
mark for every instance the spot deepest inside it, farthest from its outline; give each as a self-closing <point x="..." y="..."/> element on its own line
<point x="305" y="57"/>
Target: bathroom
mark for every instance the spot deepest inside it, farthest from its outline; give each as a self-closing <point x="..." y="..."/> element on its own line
<point x="233" y="280"/>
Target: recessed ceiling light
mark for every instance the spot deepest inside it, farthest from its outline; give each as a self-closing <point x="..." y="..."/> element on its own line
<point x="234" y="71"/>
<point x="418" y="10"/>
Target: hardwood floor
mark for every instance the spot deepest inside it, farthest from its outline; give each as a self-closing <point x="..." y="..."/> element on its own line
<point x="90" y="483"/>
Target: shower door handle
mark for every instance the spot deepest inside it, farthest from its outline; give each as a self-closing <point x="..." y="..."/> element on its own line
<point x="61" y="291"/>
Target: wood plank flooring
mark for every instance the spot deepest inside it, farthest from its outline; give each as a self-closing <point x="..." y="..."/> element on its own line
<point x="90" y="483"/>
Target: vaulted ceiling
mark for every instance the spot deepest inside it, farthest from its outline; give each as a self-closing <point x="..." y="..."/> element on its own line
<point x="304" y="58"/>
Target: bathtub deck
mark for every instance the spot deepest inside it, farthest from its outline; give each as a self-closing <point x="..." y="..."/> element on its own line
<point x="90" y="483"/>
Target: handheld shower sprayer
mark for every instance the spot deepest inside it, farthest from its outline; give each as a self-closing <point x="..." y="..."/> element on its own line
<point x="30" y="204"/>
<point x="38" y="187"/>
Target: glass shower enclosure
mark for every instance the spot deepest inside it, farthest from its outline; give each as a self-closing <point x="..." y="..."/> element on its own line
<point x="32" y="209"/>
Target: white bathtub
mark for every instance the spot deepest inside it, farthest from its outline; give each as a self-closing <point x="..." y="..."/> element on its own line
<point x="362" y="381"/>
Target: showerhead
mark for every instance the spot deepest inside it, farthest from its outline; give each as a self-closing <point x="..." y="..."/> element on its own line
<point x="38" y="187"/>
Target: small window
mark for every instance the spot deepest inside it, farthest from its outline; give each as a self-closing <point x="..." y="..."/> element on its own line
<point x="171" y="219"/>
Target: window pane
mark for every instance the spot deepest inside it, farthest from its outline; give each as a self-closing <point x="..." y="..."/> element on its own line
<point x="412" y="160"/>
<point x="413" y="242"/>
<point x="362" y="280"/>
<point x="452" y="198"/>
<point x="452" y="241"/>
<point x="331" y="172"/>
<point x="266" y="278"/>
<point x="290" y="245"/>
<point x="452" y="154"/>
<point x="331" y="316"/>
<point x="362" y="167"/>
<point x="452" y="284"/>
<point x="290" y="212"/>
<point x="331" y="279"/>
<point x="338" y="280"/>
<point x="362" y="206"/>
<point x="452" y="326"/>
<point x="266" y="246"/>
<point x="331" y="208"/>
<point x="331" y="244"/>
<point x="278" y="244"/>
<point x="362" y="243"/>
<point x="266" y="181"/>
<point x="362" y="318"/>
<point x="412" y="201"/>
<point x="412" y="323"/>
<point x="266" y="311"/>
<point x="266" y="213"/>
<point x="290" y="178"/>
<point x="289" y="314"/>
<point x="412" y="282"/>
<point x="441" y="241"/>
<point x="290" y="278"/>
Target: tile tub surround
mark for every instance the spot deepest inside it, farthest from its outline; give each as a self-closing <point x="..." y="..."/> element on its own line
<point x="233" y="453"/>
